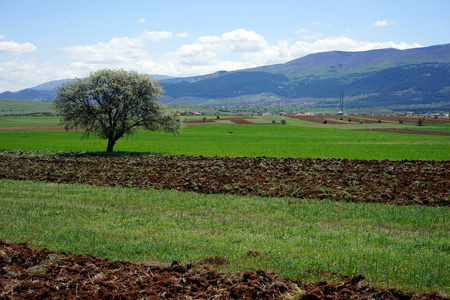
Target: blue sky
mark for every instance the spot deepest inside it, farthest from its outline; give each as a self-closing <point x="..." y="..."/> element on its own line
<point x="48" y="40"/>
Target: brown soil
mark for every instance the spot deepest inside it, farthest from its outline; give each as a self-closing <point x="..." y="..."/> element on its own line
<point x="317" y="119"/>
<point x="37" y="128"/>
<point x="396" y="182"/>
<point x="409" y="131"/>
<point x="374" y="119"/>
<point x="42" y="274"/>
<point x="428" y="120"/>
<point x="34" y="128"/>
<point x="235" y="120"/>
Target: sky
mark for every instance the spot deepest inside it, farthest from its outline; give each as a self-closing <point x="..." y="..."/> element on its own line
<point x="44" y="40"/>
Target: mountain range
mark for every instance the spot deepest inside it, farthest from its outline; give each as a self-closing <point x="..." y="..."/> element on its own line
<point x="414" y="79"/>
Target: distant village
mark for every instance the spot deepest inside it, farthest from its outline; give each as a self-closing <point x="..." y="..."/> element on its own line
<point x="299" y="113"/>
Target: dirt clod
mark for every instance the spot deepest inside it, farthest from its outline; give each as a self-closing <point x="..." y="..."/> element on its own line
<point x="71" y="276"/>
<point x="404" y="182"/>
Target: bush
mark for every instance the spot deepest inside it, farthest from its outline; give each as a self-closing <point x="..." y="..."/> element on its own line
<point x="349" y="119"/>
<point x="420" y="121"/>
<point x="283" y="122"/>
<point x="273" y="122"/>
<point x="361" y="122"/>
<point x="379" y="121"/>
<point x="401" y="121"/>
<point x="325" y="122"/>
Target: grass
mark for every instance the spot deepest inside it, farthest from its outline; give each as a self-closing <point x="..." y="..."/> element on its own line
<point x="404" y="247"/>
<point x="27" y="121"/>
<point x="252" y="141"/>
<point x="20" y="106"/>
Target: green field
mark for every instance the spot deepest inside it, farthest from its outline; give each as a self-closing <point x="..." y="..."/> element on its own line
<point x="404" y="247"/>
<point x="24" y="107"/>
<point x="234" y="140"/>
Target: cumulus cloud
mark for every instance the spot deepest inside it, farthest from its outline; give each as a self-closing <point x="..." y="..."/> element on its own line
<point x="119" y="50"/>
<point x="157" y="36"/>
<point x="18" y="74"/>
<point x="383" y="23"/>
<point x="142" y="20"/>
<point x="16" y="48"/>
<point x="212" y="53"/>
<point x="242" y="40"/>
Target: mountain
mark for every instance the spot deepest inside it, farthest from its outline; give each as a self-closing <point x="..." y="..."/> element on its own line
<point x="51" y="85"/>
<point x="31" y="94"/>
<point x="415" y="79"/>
<point x="45" y="91"/>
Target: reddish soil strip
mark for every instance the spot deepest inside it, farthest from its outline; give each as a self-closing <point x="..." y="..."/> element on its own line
<point x="34" y="128"/>
<point x="37" y="128"/>
<point x="317" y="119"/>
<point x="428" y="120"/>
<point x="369" y="119"/>
<point x="409" y="131"/>
<point x="396" y="182"/>
<point x="236" y="120"/>
<point x="42" y="274"/>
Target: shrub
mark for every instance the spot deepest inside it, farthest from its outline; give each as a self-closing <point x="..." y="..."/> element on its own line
<point x="401" y="121"/>
<point x="349" y="119"/>
<point x="361" y="122"/>
<point x="325" y="122"/>
<point x="379" y="121"/>
<point x="273" y="122"/>
<point x="420" y="121"/>
<point x="283" y="122"/>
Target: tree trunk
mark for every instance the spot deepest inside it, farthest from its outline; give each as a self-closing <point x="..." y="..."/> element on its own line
<point x="111" y="143"/>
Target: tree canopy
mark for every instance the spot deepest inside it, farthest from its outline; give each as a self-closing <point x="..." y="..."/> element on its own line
<point x="113" y="103"/>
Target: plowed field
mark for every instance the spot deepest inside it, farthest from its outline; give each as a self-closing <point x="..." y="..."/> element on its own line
<point x="395" y="182"/>
<point x="42" y="274"/>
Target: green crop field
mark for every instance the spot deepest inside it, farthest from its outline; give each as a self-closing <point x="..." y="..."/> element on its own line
<point x="405" y="247"/>
<point x="244" y="140"/>
<point x="24" y="107"/>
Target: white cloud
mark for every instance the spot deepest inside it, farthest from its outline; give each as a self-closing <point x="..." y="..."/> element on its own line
<point x="118" y="50"/>
<point x="157" y="36"/>
<point x="2" y="37"/>
<point x="343" y="43"/>
<point x="242" y="40"/>
<point x="383" y="23"/>
<point x="142" y="20"/>
<point x="16" y="48"/>
<point x="19" y="74"/>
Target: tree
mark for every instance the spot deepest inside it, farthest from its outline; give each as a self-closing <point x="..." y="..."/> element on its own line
<point x="113" y="103"/>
